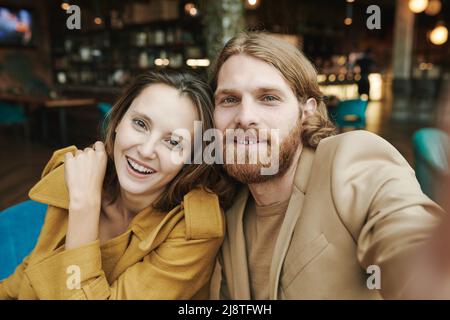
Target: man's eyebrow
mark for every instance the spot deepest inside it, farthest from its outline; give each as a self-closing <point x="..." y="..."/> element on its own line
<point x="269" y="89"/>
<point x="225" y="91"/>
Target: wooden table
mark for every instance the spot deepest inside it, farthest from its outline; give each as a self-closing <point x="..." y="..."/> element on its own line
<point x="33" y="102"/>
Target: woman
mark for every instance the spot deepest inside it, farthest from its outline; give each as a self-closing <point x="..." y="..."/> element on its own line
<point x="127" y="219"/>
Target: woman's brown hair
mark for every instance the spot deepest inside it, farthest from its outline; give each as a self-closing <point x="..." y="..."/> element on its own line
<point x="293" y="66"/>
<point x="210" y="177"/>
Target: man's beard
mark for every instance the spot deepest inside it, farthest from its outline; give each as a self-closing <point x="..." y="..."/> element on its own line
<point x="251" y="173"/>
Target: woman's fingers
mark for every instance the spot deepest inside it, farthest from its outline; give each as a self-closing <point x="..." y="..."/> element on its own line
<point x="99" y="146"/>
<point x="68" y="155"/>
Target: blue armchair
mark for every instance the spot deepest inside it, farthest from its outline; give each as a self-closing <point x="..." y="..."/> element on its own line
<point x="104" y="109"/>
<point x="351" y="113"/>
<point x="431" y="151"/>
<point x="20" y="226"/>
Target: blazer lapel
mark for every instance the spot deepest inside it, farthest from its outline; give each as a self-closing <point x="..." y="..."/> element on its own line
<point x="293" y="212"/>
<point x="237" y="251"/>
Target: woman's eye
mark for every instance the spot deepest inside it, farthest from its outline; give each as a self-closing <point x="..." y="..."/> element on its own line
<point x="139" y="123"/>
<point x="174" y="144"/>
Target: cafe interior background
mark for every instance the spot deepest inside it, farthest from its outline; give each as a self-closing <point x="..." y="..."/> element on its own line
<point x="57" y="84"/>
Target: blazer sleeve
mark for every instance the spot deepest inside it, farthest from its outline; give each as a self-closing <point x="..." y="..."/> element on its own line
<point x="177" y="269"/>
<point x="218" y="287"/>
<point x="379" y="200"/>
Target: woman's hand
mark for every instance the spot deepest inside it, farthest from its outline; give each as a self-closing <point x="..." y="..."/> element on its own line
<point x="84" y="174"/>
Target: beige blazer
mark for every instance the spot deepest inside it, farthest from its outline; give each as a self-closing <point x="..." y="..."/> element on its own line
<point x="355" y="203"/>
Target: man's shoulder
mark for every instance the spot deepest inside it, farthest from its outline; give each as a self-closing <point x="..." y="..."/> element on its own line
<point x="355" y="142"/>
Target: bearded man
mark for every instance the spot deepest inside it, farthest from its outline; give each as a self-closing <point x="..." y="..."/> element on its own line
<point x="343" y="217"/>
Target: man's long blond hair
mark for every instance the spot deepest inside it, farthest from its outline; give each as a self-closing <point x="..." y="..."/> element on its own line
<point x="294" y="67"/>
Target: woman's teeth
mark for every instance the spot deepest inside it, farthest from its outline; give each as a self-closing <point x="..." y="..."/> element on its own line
<point x="137" y="167"/>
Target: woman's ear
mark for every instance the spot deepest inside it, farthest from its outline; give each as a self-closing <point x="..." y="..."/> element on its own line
<point x="309" y="108"/>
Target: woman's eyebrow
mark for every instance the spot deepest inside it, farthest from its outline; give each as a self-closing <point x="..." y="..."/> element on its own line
<point x="143" y="115"/>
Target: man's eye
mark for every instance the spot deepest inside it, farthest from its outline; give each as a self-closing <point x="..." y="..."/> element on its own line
<point x="270" y="98"/>
<point x="139" y="123"/>
<point x="229" y="100"/>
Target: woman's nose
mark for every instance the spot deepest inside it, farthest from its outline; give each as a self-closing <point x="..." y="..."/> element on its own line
<point x="147" y="148"/>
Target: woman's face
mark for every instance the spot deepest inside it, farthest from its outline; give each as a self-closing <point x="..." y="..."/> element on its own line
<point x="153" y="139"/>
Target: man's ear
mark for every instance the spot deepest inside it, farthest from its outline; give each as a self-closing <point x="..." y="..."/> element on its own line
<point x="309" y="108"/>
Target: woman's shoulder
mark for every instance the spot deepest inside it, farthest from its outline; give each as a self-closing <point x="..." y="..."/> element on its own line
<point x="57" y="159"/>
<point x="203" y="215"/>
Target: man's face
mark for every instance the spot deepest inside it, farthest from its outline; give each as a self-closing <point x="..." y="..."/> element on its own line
<point x="253" y="96"/>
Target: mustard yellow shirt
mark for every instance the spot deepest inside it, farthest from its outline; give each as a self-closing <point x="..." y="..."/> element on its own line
<point x="160" y="256"/>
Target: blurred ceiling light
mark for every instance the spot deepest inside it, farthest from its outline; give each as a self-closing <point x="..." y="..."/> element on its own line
<point x="65" y="6"/>
<point x="252" y="4"/>
<point x="193" y="12"/>
<point x="98" y="20"/>
<point x="321" y="77"/>
<point x="417" y="6"/>
<point x="439" y="35"/>
<point x="331" y="78"/>
<point x="350" y="1"/>
<point x="162" y="62"/>
<point x="434" y="7"/>
<point x="197" y="62"/>
<point x="188" y="6"/>
<point x="348" y="21"/>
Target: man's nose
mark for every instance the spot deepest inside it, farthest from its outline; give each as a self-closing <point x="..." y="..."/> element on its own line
<point x="247" y="115"/>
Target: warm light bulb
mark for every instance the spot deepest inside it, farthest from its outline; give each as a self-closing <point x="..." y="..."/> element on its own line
<point x="252" y="4"/>
<point x="434" y="7"/>
<point x="65" y="6"/>
<point x="193" y="12"/>
<point x="439" y="35"/>
<point x="417" y="6"/>
<point x="348" y="21"/>
<point x="98" y="20"/>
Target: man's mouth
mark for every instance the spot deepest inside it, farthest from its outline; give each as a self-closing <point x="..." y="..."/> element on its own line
<point x="139" y="168"/>
<point x="248" y="140"/>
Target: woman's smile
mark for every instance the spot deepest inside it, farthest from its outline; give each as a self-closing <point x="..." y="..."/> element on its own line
<point x="138" y="169"/>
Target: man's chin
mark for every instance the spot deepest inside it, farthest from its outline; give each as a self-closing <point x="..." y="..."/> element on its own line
<point x="248" y="173"/>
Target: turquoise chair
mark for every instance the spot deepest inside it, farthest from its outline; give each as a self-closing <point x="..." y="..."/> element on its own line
<point x="11" y="114"/>
<point x="20" y="226"/>
<point x="431" y="151"/>
<point x="351" y="113"/>
<point x="104" y="109"/>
